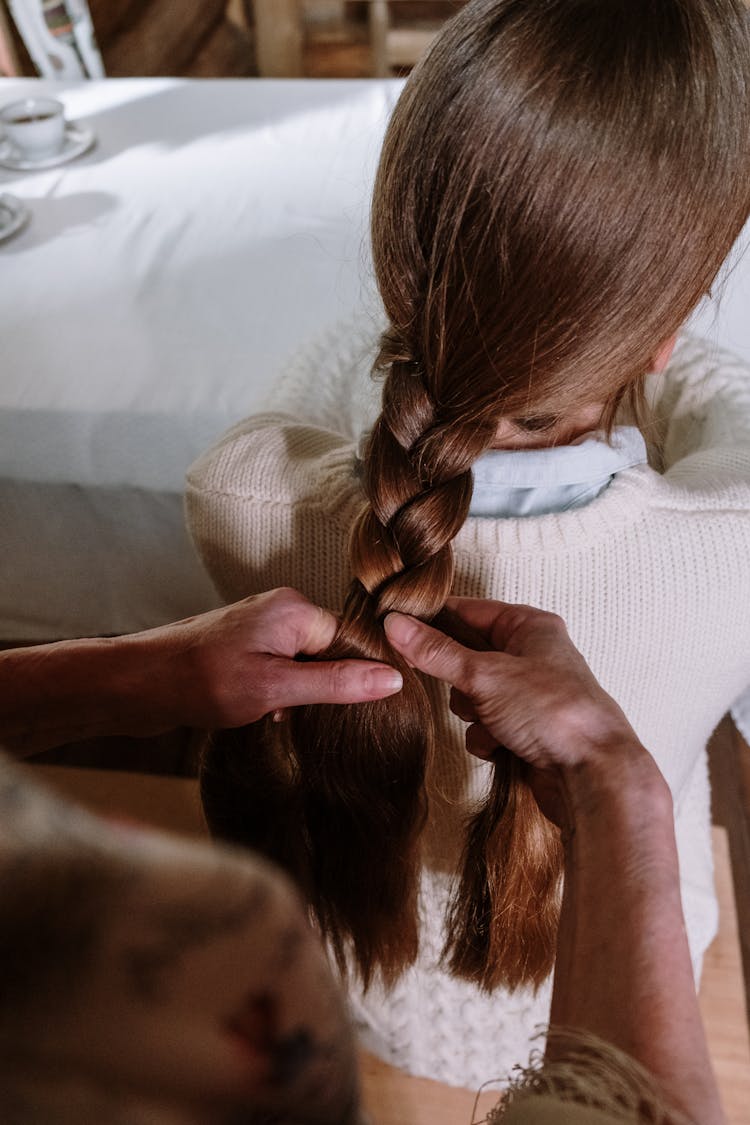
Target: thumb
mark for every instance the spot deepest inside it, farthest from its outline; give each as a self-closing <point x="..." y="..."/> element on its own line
<point x="333" y="681"/>
<point x="429" y="650"/>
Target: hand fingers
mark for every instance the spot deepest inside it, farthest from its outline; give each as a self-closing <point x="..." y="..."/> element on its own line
<point x="430" y="650"/>
<point x="295" y="625"/>
<point x="499" y="622"/>
<point x="490" y="618"/>
<point x="480" y="742"/>
<point x="321" y="626"/>
<point x="333" y="681"/>
<point x="462" y="706"/>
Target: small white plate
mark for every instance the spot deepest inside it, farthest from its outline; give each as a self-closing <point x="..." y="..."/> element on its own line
<point x="78" y="139"/>
<point x="13" y="216"/>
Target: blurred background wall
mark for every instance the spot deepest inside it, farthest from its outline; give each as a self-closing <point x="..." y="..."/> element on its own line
<point x="245" y="38"/>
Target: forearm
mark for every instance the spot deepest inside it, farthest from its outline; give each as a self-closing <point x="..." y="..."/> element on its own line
<point x="51" y="694"/>
<point x="624" y="970"/>
<point x="224" y="668"/>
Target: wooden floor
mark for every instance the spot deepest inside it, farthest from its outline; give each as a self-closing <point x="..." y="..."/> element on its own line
<point x="393" y="1099"/>
<point x="724" y="1013"/>
<point x="729" y="757"/>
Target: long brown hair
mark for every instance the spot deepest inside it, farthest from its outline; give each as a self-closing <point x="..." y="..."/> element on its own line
<point x="559" y="184"/>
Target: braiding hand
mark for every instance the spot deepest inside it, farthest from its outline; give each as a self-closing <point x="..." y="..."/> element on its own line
<point x="532" y="692"/>
<point x="235" y="664"/>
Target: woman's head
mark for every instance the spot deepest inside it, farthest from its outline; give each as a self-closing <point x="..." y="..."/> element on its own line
<point x="559" y="184"/>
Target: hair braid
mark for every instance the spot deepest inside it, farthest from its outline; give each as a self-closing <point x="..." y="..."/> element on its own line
<point x="417" y="480"/>
<point x="356" y="774"/>
<point x="400" y="546"/>
<point x="503" y="918"/>
<point x="337" y="794"/>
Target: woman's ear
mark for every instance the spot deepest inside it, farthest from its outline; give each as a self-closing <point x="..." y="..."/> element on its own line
<point x="663" y="356"/>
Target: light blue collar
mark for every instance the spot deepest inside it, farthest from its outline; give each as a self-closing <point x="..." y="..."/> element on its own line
<point x="535" y="482"/>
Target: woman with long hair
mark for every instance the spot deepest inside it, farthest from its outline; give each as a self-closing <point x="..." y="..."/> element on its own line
<point x="559" y="185"/>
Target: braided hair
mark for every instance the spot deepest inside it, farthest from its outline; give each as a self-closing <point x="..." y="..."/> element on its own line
<point x="559" y="185"/>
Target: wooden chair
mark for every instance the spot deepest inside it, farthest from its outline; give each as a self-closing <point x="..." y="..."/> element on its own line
<point x="394" y="46"/>
<point x="59" y="37"/>
<point x="279" y="31"/>
<point x="279" y="38"/>
<point x="10" y="63"/>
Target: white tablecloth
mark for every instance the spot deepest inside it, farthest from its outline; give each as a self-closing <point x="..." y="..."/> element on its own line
<point x="159" y="287"/>
<point x="162" y="282"/>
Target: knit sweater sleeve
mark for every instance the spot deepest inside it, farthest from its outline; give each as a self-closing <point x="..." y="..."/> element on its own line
<point x="328" y="382"/>
<point x="272" y="505"/>
<point x="701" y="411"/>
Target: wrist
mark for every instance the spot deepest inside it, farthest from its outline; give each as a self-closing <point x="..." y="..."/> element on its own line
<point x="57" y="694"/>
<point x="137" y="681"/>
<point x="621" y="820"/>
<point x="618" y="789"/>
<point x="111" y="686"/>
<point x="100" y="678"/>
<point x="79" y="689"/>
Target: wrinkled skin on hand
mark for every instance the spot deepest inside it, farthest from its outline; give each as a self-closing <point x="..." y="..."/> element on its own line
<point x="528" y="691"/>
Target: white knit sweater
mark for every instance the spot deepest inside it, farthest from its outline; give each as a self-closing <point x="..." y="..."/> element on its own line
<point x="652" y="578"/>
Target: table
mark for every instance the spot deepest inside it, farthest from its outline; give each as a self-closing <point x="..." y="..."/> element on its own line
<point x="156" y="293"/>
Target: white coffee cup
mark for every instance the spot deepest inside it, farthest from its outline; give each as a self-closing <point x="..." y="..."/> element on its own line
<point x="35" y="127"/>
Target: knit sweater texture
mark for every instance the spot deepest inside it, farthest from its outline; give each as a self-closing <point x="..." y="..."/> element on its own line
<point x="652" y="578"/>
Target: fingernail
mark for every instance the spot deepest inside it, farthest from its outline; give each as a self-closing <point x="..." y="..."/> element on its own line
<point x="383" y="681"/>
<point x="399" y="628"/>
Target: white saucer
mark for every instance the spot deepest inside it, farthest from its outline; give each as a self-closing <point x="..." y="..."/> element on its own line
<point x="78" y="139"/>
<point x="13" y="216"/>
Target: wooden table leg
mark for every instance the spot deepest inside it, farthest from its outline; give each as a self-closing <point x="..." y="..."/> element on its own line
<point x="236" y="13"/>
<point x="278" y="36"/>
<point x="379" y="22"/>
